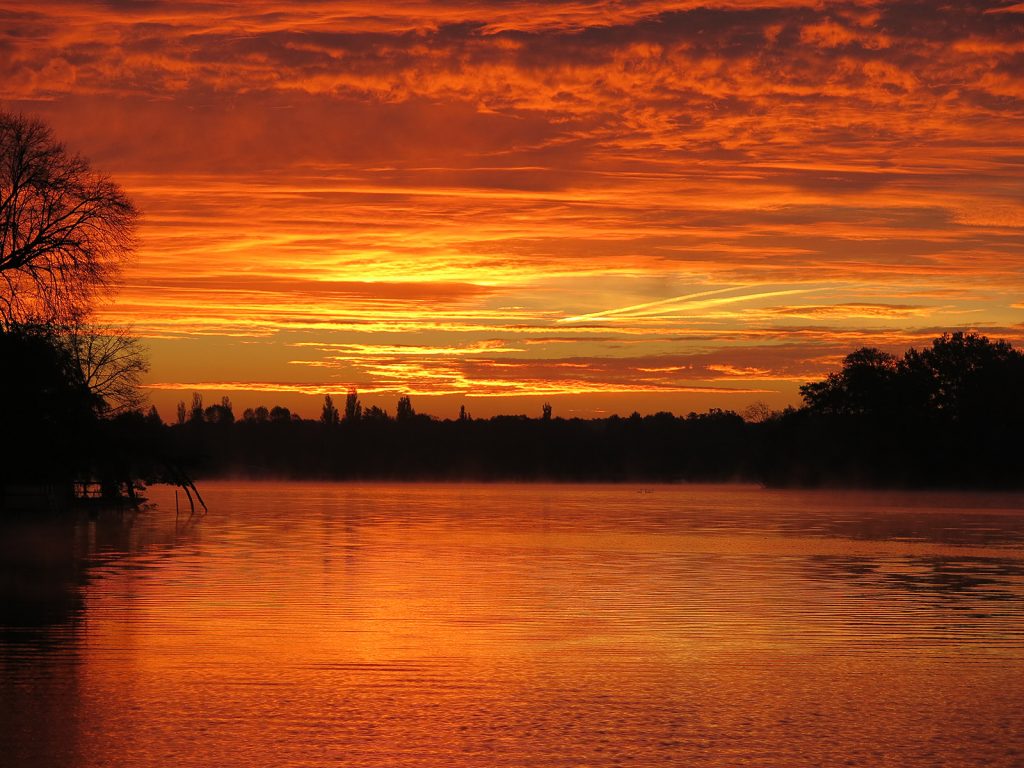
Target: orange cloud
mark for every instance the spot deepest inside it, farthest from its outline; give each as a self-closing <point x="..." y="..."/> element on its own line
<point x="395" y="187"/>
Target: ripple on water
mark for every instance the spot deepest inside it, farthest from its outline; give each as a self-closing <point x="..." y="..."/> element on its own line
<point x="309" y="625"/>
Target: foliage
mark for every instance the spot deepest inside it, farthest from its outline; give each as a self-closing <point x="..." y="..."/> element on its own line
<point x="353" y="408"/>
<point x="221" y="413"/>
<point x="404" y="410"/>
<point x="329" y="415"/>
<point x="50" y="413"/>
<point x="949" y="414"/>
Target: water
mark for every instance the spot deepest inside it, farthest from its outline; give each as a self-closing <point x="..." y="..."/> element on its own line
<point x="397" y="625"/>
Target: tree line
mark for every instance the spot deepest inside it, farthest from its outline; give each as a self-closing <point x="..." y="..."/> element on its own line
<point x="948" y="415"/>
<point x="354" y="443"/>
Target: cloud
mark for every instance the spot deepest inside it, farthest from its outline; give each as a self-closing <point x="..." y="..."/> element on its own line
<point x="854" y="310"/>
<point x="582" y="179"/>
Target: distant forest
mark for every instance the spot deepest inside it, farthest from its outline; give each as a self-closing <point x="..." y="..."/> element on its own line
<point x="950" y="415"/>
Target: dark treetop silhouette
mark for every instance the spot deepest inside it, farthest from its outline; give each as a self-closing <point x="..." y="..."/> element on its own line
<point x="947" y="415"/>
<point x="64" y="228"/>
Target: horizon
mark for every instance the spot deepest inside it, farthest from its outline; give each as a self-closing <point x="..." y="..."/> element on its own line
<point x="339" y="402"/>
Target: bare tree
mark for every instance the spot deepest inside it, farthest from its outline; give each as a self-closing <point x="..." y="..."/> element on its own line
<point x="757" y="412"/>
<point x="65" y="229"/>
<point x="112" y="364"/>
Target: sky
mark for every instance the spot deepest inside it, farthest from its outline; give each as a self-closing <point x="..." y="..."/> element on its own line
<point x="608" y="206"/>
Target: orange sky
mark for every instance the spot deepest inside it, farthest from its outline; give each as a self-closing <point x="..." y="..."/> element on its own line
<point x="604" y="205"/>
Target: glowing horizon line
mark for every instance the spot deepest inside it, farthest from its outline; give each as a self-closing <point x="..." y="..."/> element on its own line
<point x="499" y="389"/>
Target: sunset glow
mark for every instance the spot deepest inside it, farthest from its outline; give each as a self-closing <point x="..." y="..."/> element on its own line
<point x="608" y="206"/>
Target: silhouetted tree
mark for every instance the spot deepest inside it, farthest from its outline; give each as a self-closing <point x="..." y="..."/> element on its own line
<point x="49" y="415"/>
<point x="329" y="415"/>
<point x="280" y="414"/>
<point x="545" y="412"/>
<point x="404" y="411"/>
<point x="464" y="414"/>
<point x="182" y="412"/>
<point x="353" y="408"/>
<point x="757" y="412"/>
<point x="949" y="414"/>
<point x="65" y="229"/>
<point x="375" y="414"/>
<point x="222" y="413"/>
<point x="864" y="385"/>
<point x="196" y="415"/>
<point x="963" y="375"/>
<point x="112" y="363"/>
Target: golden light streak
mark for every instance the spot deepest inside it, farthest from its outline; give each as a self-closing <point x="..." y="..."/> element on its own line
<point x="483" y="388"/>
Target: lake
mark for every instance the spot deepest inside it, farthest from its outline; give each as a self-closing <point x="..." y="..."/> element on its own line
<point x="503" y="625"/>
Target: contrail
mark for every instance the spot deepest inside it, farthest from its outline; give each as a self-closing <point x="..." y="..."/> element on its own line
<point x="661" y="302"/>
<point x="684" y="302"/>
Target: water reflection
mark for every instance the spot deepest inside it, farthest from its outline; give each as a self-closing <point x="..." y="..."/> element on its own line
<point x="525" y="626"/>
<point x="40" y="575"/>
<point x="47" y="564"/>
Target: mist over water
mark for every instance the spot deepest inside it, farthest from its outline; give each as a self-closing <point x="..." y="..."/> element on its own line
<point x="500" y="625"/>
